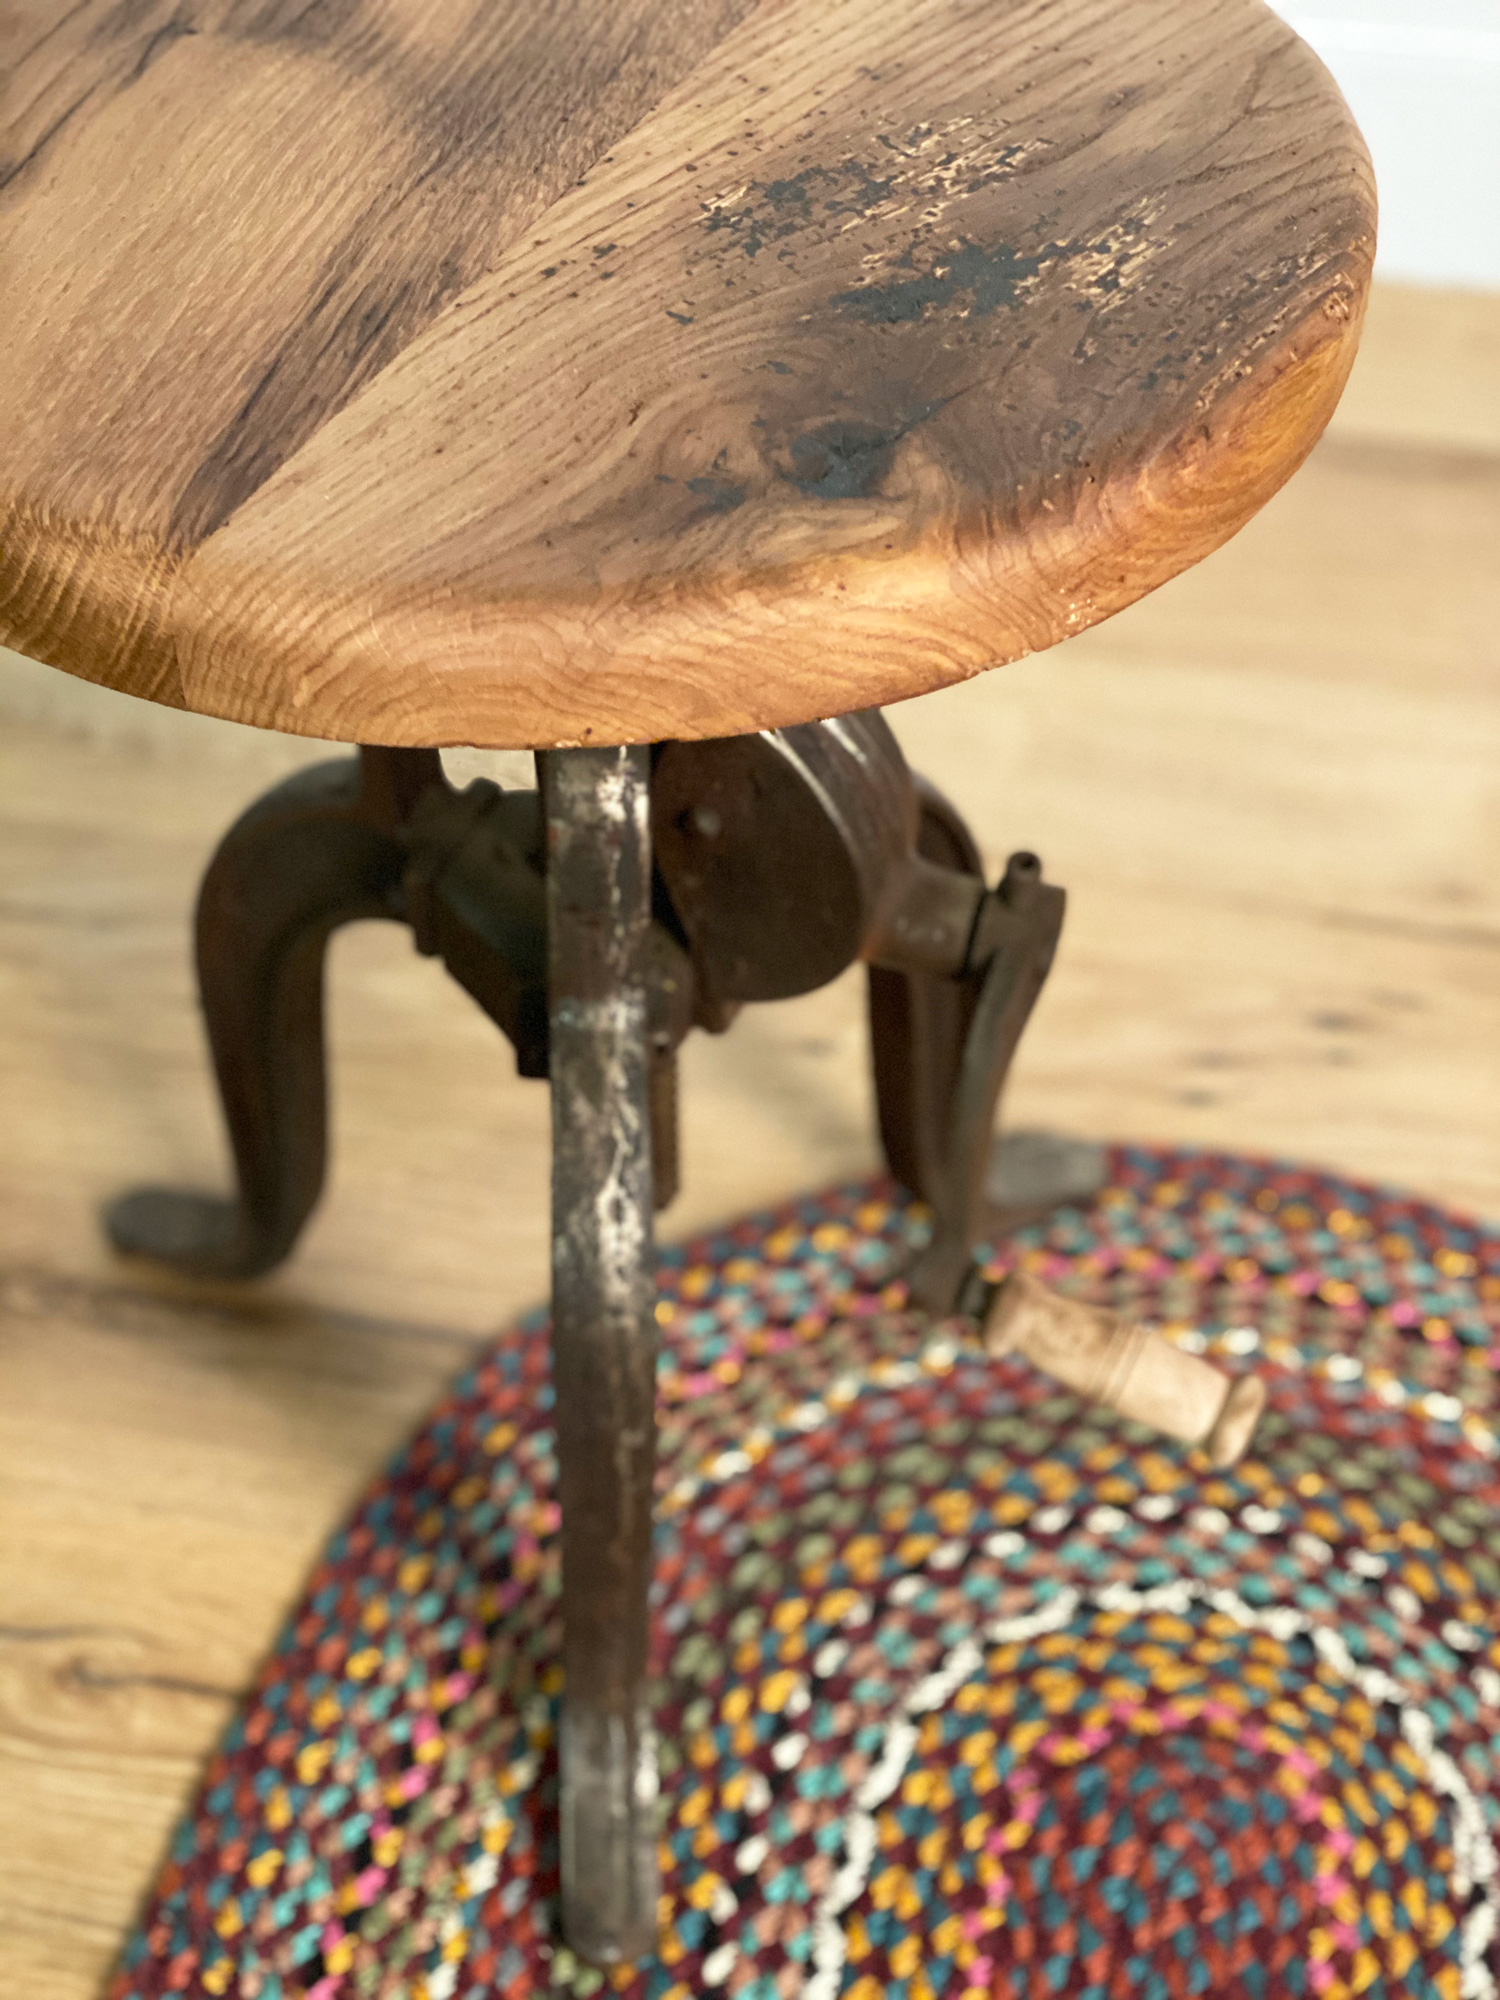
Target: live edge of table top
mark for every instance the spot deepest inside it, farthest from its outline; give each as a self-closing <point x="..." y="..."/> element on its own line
<point x="459" y="371"/>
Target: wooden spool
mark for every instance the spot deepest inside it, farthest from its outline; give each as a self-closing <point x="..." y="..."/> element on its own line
<point x="1130" y="1368"/>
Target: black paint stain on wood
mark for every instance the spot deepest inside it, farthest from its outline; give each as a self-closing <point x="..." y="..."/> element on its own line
<point x="719" y="496"/>
<point x="782" y="208"/>
<point x="971" y="278"/>
<point x="910" y="176"/>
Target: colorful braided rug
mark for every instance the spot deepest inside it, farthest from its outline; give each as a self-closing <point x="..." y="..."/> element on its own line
<point x="967" y="1689"/>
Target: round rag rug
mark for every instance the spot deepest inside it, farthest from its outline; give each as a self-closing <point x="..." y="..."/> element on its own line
<point x="966" y="1688"/>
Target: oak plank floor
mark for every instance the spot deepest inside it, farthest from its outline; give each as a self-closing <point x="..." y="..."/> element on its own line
<point x="1270" y="790"/>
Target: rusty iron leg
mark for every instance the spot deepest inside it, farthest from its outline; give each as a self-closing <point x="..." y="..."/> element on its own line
<point x="1015" y="939"/>
<point x="317" y="852"/>
<point x="603" y="1335"/>
<point x="918" y="1024"/>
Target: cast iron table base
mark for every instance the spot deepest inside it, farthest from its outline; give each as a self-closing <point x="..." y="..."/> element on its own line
<point x="638" y="892"/>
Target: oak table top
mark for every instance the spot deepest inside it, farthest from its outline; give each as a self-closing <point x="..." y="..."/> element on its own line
<point x="457" y="371"/>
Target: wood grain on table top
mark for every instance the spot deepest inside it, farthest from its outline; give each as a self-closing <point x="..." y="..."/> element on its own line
<point x="463" y="372"/>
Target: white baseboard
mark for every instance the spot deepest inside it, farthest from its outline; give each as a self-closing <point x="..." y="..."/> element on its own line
<point x="1423" y="79"/>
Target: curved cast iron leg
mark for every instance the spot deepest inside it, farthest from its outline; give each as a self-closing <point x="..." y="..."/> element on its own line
<point x="309" y="856"/>
<point x="603" y="1336"/>
<point x="1024" y="920"/>
<point x="918" y="1024"/>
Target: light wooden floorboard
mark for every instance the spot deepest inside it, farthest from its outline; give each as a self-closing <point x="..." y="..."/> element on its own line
<point x="1271" y="791"/>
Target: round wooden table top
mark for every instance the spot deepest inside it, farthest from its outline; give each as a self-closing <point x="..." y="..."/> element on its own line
<point x="463" y="371"/>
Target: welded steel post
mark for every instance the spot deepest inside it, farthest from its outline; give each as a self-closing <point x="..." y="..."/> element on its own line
<point x="603" y="1335"/>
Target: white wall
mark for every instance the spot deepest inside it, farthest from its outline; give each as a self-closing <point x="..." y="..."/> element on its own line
<point x="1423" y="79"/>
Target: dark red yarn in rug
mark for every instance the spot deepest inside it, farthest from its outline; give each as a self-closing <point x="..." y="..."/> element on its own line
<point x="969" y="1691"/>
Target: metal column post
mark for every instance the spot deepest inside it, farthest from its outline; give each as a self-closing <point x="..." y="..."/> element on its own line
<point x="603" y="1335"/>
